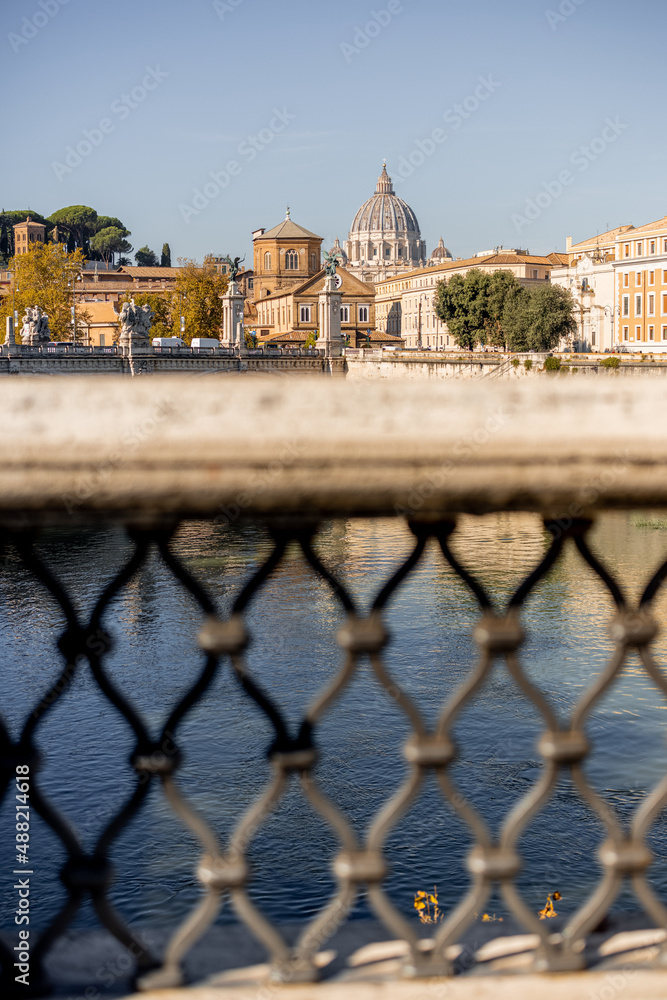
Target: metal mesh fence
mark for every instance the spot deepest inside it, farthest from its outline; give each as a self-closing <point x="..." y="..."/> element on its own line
<point x="361" y="861"/>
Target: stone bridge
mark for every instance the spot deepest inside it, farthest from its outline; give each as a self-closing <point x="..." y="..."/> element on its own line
<point x="374" y="364"/>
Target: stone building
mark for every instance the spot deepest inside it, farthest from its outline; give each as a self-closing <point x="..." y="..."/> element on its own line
<point x="27" y="233"/>
<point x="284" y="257"/>
<point x="384" y="238"/>
<point x="290" y="317"/>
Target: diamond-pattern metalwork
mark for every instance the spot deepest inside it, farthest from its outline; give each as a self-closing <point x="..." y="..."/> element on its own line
<point x="223" y="869"/>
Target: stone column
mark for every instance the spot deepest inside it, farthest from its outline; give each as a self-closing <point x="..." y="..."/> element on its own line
<point x="330" y="341"/>
<point x="10" y="345"/>
<point x="232" y="320"/>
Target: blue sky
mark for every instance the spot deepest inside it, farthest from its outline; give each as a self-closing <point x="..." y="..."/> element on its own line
<point x="559" y="129"/>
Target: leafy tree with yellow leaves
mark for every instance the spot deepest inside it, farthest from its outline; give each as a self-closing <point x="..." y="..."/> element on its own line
<point x="45" y="277"/>
<point x="197" y="297"/>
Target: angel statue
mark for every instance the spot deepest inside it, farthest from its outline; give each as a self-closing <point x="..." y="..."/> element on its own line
<point x="35" y="329"/>
<point x="135" y="324"/>
<point x="332" y="260"/>
<point x="234" y="266"/>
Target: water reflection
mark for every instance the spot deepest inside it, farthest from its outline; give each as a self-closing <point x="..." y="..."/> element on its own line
<point x="293" y="621"/>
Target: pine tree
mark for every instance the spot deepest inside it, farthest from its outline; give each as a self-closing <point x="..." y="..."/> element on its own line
<point x="5" y="248"/>
<point x="165" y="258"/>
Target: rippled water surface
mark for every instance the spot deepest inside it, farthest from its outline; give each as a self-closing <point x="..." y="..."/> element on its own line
<point x="86" y="744"/>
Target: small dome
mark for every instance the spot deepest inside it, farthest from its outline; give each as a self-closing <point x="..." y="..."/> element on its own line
<point x="337" y="248"/>
<point x="384" y="211"/>
<point x="441" y="252"/>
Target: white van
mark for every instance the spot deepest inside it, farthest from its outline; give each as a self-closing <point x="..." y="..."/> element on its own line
<point x="205" y="342"/>
<point x="168" y="342"/>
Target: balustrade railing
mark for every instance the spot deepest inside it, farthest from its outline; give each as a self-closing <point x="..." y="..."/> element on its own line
<point x="291" y="456"/>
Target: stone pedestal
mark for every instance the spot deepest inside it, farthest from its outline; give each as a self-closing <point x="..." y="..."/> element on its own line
<point x="330" y="341"/>
<point x="232" y="320"/>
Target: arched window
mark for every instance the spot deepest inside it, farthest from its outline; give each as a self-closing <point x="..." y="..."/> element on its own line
<point x="267" y="261"/>
<point x="291" y="260"/>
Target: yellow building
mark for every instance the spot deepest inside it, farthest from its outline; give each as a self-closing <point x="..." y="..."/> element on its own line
<point x="404" y="304"/>
<point x="102" y="328"/>
<point x="641" y="287"/>
<point x="26" y="233"/>
<point x="284" y="257"/>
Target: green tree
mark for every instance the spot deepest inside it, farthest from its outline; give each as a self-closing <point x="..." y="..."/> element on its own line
<point x="197" y="293"/>
<point x="461" y="303"/>
<point x="517" y="320"/>
<point x="165" y="259"/>
<point x="108" y="242"/>
<point x="5" y="244"/>
<point x="500" y="287"/>
<point x="552" y="315"/>
<point x="145" y="257"/>
<point x="538" y="318"/>
<point x="78" y="221"/>
<point x="45" y="277"/>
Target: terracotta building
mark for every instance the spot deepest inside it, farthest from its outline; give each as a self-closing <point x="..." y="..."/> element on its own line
<point x="284" y="257"/>
<point x="27" y="233"/>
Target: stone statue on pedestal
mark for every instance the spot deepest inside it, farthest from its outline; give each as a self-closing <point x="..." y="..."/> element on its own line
<point x="35" y="329"/>
<point x="331" y="262"/>
<point x="135" y="326"/>
<point x="234" y="266"/>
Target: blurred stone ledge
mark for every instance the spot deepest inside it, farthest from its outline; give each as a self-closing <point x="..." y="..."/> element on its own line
<point x="360" y="963"/>
<point x="178" y="445"/>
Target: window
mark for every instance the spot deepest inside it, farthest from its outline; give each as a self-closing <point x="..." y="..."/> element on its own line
<point x="651" y="277"/>
<point x="651" y="305"/>
<point x="387" y="252"/>
<point x="638" y="279"/>
<point x="625" y="333"/>
<point x="345" y="314"/>
<point x="626" y="280"/>
<point x="102" y="340"/>
<point x="664" y="333"/>
<point x="627" y="250"/>
<point x="375" y="251"/>
<point x="639" y="249"/>
<point x="304" y="314"/>
<point x="291" y="260"/>
<point x="638" y="333"/>
<point x="664" y="246"/>
<point x="638" y="305"/>
<point x="535" y="273"/>
<point x="664" y="304"/>
<point x="626" y="305"/>
<point x="650" y="333"/>
<point x="400" y="251"/>
<point x="363" y="314"/>
<point x="267" y="261"/>
<point x="313" y="262"/>
<point x="652" y="246"/>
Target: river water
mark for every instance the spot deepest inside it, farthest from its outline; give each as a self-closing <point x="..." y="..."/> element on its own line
<point x="86" y="744"/>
